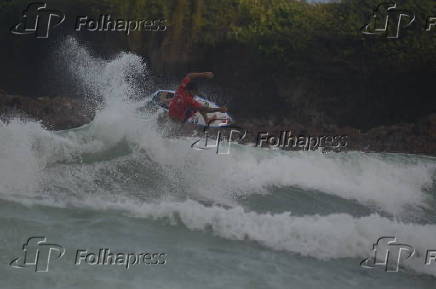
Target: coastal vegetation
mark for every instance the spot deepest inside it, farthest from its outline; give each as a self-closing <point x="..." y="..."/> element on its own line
<point x="291" y="60"/>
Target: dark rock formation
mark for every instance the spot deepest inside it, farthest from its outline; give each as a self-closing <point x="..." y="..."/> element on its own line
<point x="55" y="113"/>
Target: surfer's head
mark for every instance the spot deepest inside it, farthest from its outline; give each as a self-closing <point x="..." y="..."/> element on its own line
<point x="192" y="88"/>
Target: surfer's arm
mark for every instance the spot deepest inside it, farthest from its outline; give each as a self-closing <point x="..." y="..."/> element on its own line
<point x="206" y="109"/>
<point x="190" y="76"/>
<point x="193" y="75"/>
<point x="195" y="105"/>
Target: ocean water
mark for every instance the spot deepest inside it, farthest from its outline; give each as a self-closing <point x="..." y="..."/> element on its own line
<point x="255" y="218"/>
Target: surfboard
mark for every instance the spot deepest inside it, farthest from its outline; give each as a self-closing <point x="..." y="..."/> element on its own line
<point x="161" y="98"/>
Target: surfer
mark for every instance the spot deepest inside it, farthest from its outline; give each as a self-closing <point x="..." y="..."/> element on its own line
<point x="183" y="105"/>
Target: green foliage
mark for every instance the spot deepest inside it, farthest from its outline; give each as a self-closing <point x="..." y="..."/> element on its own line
<point x="288" y="31"/>
<point x="288" y="34"/>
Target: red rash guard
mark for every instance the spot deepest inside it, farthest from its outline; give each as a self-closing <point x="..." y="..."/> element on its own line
<point x="183" y="106"/>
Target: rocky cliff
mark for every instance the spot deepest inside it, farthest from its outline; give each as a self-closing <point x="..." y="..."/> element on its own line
<point x="55" y="113"/>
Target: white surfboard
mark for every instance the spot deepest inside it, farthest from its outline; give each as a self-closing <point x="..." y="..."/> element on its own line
<point x="221" y="119"/>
